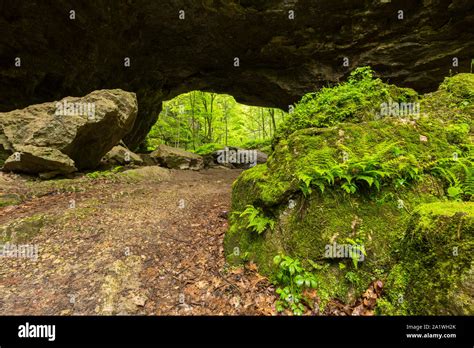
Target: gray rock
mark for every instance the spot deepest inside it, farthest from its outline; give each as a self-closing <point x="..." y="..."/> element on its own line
<point x="147" y="160"/>
<point x="34" y="159"/>
<point x="174" y="158"/>
<point x="121" y="155"/>
<point x="74" y="133"/>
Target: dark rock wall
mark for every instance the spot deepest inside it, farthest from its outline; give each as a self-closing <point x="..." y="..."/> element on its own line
<point x="280" y="58"/>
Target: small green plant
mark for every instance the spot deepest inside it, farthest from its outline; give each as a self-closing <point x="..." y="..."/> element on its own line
<point x="386" y="163"/>
<point x="257" y="220"/>
<point x="245" y="257"/>
<point x="352" y="278"/>
<point x="293" y="279"/>
<point x="357" y="250"/>
<point x="458" y="174"/>
<point x="454" y="192"/>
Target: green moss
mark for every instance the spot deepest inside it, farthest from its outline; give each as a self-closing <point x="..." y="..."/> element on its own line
<point x="22" y="230"/>
<point x="428" y="211"/>
<point x="9" y="199"/>
<point x="434" y="274"/>
<point x="406" y="156"/>
<point x="460" y="86"/>
<point x="356" y="100"/>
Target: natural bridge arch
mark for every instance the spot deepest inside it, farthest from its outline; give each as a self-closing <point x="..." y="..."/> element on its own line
<point x="285" y="48"/>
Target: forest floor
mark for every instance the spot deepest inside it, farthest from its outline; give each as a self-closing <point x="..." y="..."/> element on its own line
<point x="146" y="241"/>
<point x="150" y="246"/>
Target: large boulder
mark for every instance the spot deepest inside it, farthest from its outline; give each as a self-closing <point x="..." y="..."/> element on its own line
<point x="343" y="177"/>
<point x="61" y="137"/>
<point x="174" y="158"/>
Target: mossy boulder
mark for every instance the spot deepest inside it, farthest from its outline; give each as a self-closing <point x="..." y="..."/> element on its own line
<point x="435" y="275"/>
<point x="360" y="180"/>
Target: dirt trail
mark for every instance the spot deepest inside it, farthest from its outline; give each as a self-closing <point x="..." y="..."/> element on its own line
<point x="141" y="247"/>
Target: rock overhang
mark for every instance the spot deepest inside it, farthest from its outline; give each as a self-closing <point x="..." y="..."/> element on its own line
<point x="282" y="54"/>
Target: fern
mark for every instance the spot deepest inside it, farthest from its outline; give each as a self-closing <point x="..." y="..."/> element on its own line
<point x="257" y="221"/>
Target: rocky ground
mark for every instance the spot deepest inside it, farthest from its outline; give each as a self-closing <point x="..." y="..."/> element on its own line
<point x="147" y="244"/>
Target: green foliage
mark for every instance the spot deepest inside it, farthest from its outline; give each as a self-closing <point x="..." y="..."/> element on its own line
<point x="207" y="149"/>
<point x="458" y="174"/>
<point x="355" y="100"/>
<point x="357" y="249"/>
<point x="293" y="279"/>
<point x="457" y="133"/>
<point x="385" y="163"/>
<point x="352" y="278"/>
<point x="195" y="119"/>
<point x="256" y="144"/>
<point x="257" y="221"/>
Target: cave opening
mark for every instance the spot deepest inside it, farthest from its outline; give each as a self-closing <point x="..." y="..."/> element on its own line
<point x="202" y="122"/>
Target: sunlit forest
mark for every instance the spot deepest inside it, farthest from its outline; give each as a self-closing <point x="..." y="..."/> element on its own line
<point x="197" y="121"/>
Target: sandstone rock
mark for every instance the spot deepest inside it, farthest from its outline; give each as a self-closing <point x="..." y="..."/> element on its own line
<point x="121" y="155"/>
<point x="209" y="160"/>
<point x="175" y="158"/>
<point x="34" y="159"/>
<point x="74" y="133"/>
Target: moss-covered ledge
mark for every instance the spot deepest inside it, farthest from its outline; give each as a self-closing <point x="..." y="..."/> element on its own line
<point x="435" y="274"/>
